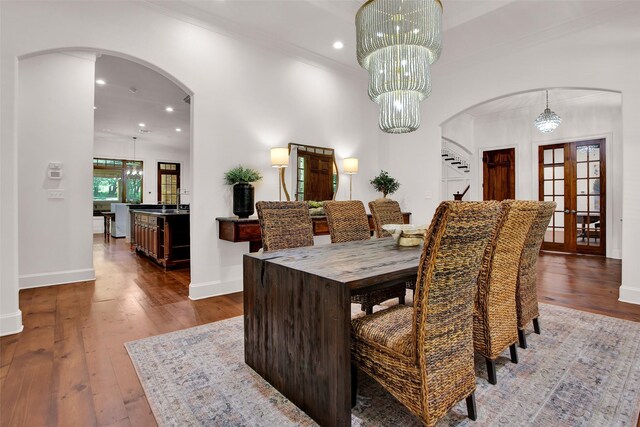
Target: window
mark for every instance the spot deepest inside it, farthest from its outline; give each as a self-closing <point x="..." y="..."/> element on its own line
<point x="116" y="181"/>
<point x="168" y="182"/>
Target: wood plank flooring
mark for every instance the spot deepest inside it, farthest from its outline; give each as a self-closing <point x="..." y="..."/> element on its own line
<point x="69" y="366"/>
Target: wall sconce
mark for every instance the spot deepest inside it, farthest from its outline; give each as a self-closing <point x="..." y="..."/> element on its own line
<point x="350" y="166"/>
<point x="280" y="160"/>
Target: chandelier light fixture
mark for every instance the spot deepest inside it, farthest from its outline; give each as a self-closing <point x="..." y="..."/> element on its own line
<point x="397" y="41"/>
<point x="548" y="121"/>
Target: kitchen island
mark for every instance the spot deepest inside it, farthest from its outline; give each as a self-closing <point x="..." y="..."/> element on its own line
<point x="162" y="236"/>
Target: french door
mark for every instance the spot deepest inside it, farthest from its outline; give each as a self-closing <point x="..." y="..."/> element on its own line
<point x="573" y="175"/>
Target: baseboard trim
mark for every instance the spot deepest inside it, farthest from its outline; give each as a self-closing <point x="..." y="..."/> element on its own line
<point x="629" y="295"/>
<point x="11" y="323"/>
<point x="213" y="289"/>
<point x="28" y="281"/>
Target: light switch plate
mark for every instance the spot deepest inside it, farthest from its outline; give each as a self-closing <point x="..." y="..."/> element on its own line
<point x="55" y="194"/>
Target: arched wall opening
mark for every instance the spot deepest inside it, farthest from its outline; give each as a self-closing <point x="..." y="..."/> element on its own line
<point x="507" y="122"/>
<point x="56" y="93"/>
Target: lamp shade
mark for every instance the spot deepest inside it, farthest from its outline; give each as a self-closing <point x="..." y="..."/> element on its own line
<point x="280" y="157"/>
<point x="350" y="165"/>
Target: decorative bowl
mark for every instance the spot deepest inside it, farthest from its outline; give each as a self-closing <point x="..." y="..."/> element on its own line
<point x="406" y="234"/>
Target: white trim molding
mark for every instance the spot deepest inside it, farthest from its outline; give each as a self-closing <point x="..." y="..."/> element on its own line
<point x="213" y="289"/>
<point x="630" y="295"/>
<point x="56" y="278"/>
<point x="11" y="323"/>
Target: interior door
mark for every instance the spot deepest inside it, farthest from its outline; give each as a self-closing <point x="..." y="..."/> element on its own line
<point x="499" y="174"/>
<point x="318" y="178"/>
<point x="573" y="175"/>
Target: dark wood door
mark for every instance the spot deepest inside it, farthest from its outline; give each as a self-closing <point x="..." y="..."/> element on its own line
<point x="318" y="176"/>
<point x="574" y="176"/>
<point x="499" y="174"/>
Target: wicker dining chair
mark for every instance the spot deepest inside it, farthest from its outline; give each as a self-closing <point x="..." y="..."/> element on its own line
<point x="348" y="222"/>
<point x="495" y="325"/>
<point x="423" y="355"/>
<point x="385" y="211"/>
<point x="284" y="225"/>
<point x="526" y="287"/>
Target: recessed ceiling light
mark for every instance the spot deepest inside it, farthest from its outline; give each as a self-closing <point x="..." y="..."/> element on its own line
<point x="169" y="109"/>
<point x="101" y="82"/>
<point x="178" y="130"/>
<point x="141" y="125"/>
<point x="338" y="45"/>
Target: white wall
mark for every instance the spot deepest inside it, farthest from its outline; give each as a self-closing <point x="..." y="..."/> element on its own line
<point x="585" y="118"/>
<point x="150" y="154"/>
<point x="567" y="61"/>
<point x="55" y="123"/>
<point x="245" y="100"/>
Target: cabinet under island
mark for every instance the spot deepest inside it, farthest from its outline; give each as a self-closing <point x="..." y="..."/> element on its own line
<point x="163" y="236"/>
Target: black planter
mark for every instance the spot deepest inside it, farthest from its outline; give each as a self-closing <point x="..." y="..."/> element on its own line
<point x="243" y="199"/>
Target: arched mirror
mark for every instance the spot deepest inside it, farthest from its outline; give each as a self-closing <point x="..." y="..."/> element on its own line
<point x="314" y="173"/>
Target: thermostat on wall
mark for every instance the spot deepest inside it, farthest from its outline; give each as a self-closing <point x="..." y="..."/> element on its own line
<point x="55" y="174"/>
<point x="55" y="170"/>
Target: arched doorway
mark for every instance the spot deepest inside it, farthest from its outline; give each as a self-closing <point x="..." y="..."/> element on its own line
<point x="57" y="105"/>
<point x="507" y="122"/>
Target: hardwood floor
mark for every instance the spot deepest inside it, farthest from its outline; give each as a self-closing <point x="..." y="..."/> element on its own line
<point x="69" y="365"/>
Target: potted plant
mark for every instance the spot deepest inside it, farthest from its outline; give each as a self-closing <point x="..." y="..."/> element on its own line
<point x="243" y="192"/>
<point x="385" y="183"/>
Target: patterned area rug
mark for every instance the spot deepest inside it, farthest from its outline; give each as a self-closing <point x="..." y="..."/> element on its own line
<point x="584" y="370"/>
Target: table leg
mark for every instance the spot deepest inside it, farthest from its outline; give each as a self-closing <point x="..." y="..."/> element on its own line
<point x="297" y="337"/>
<point x="255" y="245"/>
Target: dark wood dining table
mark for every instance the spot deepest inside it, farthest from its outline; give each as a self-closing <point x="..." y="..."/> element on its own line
<point x="297" y="317"/>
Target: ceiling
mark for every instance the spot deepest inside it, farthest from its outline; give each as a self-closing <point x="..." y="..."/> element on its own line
<point x="308" y="28"/>
<point x="136" y="94"/>
<point x="557" y="97"/>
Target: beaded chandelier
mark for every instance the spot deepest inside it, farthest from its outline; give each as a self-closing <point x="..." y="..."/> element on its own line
<point x="397" y="41"/>
<point x="548" y="121"/>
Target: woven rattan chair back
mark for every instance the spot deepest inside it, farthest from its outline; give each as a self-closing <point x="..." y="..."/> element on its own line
<point x="443" y="304"/>
<point x="526" y="289"/>
<point x="495" y="325"/>
<point x="385" y="211"/>
<point x="284" y="225"/>
<point x="347" y="221"/>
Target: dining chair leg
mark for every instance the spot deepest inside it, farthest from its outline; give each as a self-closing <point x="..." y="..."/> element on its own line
<point x="536" y="326"/>
<point x="522" y="338"/>
<point x="401" y="300"/>
<point x="514" y="353"/>
<point x="471" y="407"/>
<point x="354" y="385"/>
<point x="368" y="310"/>
<point x="491" y="371"/>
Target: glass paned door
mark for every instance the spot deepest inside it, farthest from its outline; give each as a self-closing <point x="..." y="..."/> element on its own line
<point x="552" y="185"/>
<point x="589" y="207"/>
<point x="572" y="175"/>
<point x="168" y="182"/>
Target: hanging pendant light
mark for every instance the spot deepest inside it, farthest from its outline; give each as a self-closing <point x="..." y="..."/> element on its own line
<point x="548" y="121"/>
<point x="132" y="169"/>
<point x="397" y="41"/>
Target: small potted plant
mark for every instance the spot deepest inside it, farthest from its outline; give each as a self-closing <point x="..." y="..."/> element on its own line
<point x="243" y="192"/>
<point x="385" y="183"/>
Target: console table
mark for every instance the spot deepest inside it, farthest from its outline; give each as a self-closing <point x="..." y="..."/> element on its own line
<point x="234" y="229"/>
